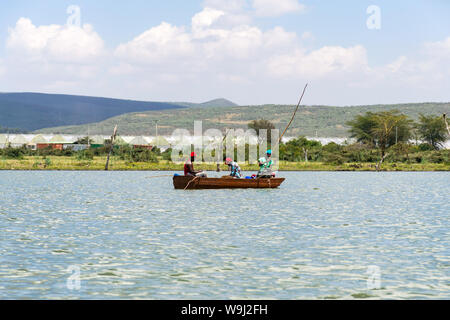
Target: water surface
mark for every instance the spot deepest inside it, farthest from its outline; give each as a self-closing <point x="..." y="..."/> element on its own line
<point x="134" y="237"/>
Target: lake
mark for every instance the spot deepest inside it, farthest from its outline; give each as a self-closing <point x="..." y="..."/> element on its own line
<point x="125" y="235"/>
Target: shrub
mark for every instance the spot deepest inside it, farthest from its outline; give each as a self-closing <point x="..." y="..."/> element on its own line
<point x="332" y="147"/>
<point x="48" y="162"/>
<point x="85" y="155"/>
<point x="425" y="147"/>
<point x="13" y="153"/>
<point x="333" y="158"/>
<point x="143" y="155"/>
<point x="167" y="155"/>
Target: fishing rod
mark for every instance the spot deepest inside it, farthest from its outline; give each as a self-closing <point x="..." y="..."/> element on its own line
<point x="293" y="116"/>
<point x="160" y="176"/>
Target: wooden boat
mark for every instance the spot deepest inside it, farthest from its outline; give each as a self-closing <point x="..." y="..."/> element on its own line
<point x="189" y="182"/>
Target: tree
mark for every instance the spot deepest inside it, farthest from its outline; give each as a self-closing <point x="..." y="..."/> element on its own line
<point x="432" y="130"/>
<point x="261" y="124"/>
<point x="257" y="125"/>
<point x="361" y="128"/>
<point x="381" y="129"/>
<point x="84" y="140"/>
<point x="300" y="149"/>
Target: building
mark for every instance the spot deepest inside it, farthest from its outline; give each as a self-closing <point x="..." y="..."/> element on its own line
<point x="140" y="142"/>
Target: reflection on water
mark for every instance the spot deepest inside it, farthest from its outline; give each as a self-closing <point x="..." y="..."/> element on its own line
<point x="135" y="237"/>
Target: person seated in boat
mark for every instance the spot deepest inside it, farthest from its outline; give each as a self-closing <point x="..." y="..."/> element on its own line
<point x="235" y="169"/>
<point x="189" y="168"/>
<point x="265" y="166"/>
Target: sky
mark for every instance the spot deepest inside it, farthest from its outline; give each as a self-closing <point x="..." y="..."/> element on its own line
<point x="351" y="52"/>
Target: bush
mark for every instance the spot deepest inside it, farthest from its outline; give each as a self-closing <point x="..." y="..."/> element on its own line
<point x="49" y="151"/>
<point x="48" y="162"/>
<point x="143" y="155"/>
<point x="167" y="155"/>
<point x="437" y="157"/>
<point x="102" y="151"/>
<point x="332" y="147"/>
<point x="85" y="155"/>
<point x="425" y="147"/>
<point x="333" y="158"/>
<point x="13" y="153"/>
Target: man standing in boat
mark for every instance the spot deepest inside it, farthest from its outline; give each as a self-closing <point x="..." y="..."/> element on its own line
<point x="189" y="168"/>
<point x="265" y="166"/>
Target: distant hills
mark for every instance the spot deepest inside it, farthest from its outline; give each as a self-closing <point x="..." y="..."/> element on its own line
<point x="33" y="111"/>
<point x="71" y="114"/>
<point x="221" y="103"/>
<point x="323" y="121"/>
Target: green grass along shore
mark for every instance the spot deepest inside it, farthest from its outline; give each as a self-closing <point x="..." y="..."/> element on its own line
<point x="61" y="163"/>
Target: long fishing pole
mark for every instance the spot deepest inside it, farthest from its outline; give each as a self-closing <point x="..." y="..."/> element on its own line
<point x="160" y="176"/>
<point x="293" y="116"/>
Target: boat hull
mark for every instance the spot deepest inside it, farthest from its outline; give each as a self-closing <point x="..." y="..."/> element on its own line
<point x="189" y="182"/>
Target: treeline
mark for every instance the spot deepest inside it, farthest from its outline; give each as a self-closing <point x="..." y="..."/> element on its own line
<point x="126" y="153"/>
<point x="383" y="136"/>
<point x="387" y="136"/>
<point x="304" y="150"/>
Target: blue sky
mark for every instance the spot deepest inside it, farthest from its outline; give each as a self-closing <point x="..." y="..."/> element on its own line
<point x="406" y="29"/>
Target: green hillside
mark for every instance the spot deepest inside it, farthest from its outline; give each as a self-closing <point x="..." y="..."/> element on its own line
<point x="325" y="121"/>
<point x="213" y="103"/>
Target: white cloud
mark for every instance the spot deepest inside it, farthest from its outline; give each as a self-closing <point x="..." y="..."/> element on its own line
<point x="319" y="63"/>
<point x="222" y="53"/>
<point x="278" y="37"/>
<point x="307" y="35"/>
<point x="206" y="18"/>
<point x="269" y="8"/>
<point x="206" y="39"/>
<point x="432" y="65"/>
<point x="157" y="44"/>
<point x="54" y="42"/>
<point x="439" y="48"/>
<point x="226" y="5"/>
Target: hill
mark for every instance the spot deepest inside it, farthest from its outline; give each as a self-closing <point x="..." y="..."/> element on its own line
<point x="32" y="111"/>
<point x="323" y="121"/>
<point x="222" y="103"/>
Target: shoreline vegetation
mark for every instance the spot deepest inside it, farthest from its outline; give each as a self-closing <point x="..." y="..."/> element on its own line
<point x="67" y="163"/>
<point x="384" y="142"/>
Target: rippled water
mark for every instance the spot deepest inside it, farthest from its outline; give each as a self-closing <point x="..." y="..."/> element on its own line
<point x="132" y="236"/>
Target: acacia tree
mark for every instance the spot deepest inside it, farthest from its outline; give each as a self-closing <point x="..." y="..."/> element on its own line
<point x="381" y="129"/>
<point x="84" y="140"/>
<point x="432" y="130"/>
<point x="257" y="125"/>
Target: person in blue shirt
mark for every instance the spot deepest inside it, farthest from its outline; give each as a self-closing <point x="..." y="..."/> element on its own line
<point x="234" y="168"/>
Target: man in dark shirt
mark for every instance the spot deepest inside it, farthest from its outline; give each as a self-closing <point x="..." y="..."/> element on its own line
<point x="189" y="168"/>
